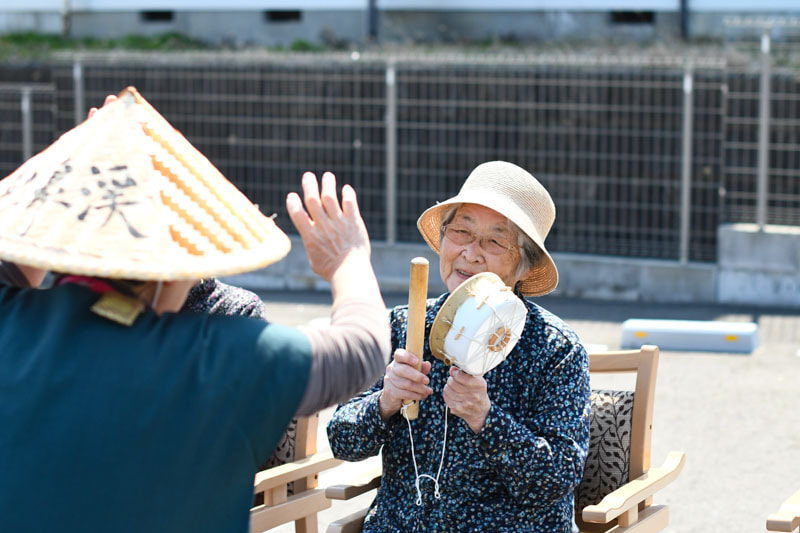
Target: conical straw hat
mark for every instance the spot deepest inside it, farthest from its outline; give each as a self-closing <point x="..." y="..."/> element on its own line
<point x="125" y="195"/>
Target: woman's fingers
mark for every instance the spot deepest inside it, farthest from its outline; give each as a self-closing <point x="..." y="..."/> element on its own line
<point x="406" y="389"/>
<point x="350" y="203"/>
<point x="311" y="196"/>
<point x="110" y="98"/>
<point x="297" y="214"/>
<point x="330" y="200"/>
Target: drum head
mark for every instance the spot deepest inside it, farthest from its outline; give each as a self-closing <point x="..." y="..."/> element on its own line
<point x="446" y="315"/>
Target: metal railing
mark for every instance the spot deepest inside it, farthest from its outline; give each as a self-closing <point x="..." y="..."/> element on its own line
<point x="26" y="122"/>
<point x="643" y="158"/>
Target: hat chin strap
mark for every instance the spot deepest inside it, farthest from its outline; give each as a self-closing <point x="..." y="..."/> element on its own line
<point x="157" y="294"/>
<point x="417" y="476"/>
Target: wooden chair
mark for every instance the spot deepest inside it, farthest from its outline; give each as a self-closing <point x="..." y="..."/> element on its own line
<point x="288" y="492"/>
<point x="620" y="493"/>
<point x="788" y="516"/>
<point x="609" y="498"/>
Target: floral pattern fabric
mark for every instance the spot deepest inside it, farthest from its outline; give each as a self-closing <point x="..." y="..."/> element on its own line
<point x="517" y="474"/>
<point x="213" y="297"/>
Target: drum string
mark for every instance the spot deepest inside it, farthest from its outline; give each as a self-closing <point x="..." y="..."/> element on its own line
<point x="417" y="476"/>
<point x="496" y="319"/>
<point x="507" y="322"/>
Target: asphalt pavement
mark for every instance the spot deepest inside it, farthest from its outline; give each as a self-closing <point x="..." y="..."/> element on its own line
<point x="735" y="415"/>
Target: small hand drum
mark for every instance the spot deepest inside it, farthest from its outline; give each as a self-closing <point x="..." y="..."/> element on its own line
<point x="478" y="325"/>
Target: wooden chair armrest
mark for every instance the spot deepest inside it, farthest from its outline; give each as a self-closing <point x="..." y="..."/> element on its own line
<point x="788" y="516"/>
<point x="627" y="498"/>
<point x="286" y="473"/>
<point x="360" y="484"/>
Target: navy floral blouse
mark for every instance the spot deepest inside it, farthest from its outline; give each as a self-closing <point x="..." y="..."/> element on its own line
<point x="517" y="474"/>
<point x="216" y="298"/>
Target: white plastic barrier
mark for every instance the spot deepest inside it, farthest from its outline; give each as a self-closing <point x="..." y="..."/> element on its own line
<point x="691" y="335"/>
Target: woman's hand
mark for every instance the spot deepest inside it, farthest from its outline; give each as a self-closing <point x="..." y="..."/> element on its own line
<point x="331" y="233"/>
<point x="467" y="398"/>
<point x="110" y="98"/>
<point x="403" y="382"/>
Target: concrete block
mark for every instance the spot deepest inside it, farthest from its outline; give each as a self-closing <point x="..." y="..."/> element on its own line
<point x="760" y="267"/>
<point x="582" y="276"/>
<point x="744" y="246"/>
<point x="669" y="281"/>
<point x="759" y="288"/>
<point x="691" y="335"/>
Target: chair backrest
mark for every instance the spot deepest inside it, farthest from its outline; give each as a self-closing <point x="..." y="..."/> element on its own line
<point x="621" y="425"/>
<point x="299" y="441"/>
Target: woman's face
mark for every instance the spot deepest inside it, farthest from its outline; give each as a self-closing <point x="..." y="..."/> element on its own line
<point x="460" y="262"/>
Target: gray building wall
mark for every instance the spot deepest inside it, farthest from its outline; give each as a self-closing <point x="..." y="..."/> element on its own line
<point x="349" y="26"/>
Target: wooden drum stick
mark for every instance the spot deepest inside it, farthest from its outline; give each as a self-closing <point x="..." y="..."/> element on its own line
<point x="415" y="334"/>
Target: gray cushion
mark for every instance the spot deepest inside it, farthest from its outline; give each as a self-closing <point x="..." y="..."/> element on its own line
<point x="609" y="446"/>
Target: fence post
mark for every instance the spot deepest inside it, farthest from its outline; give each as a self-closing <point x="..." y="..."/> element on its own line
<point x="686" y="164"/>
<point x="762" y="188"/>
<point x="391" y="154"/>
<point x="78" y="94"/>
<point x="27" y="123"/>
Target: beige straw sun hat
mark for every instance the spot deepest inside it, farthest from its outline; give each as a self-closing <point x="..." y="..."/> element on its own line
<point x="517" y="195"/>
<point x="125" y="195"/>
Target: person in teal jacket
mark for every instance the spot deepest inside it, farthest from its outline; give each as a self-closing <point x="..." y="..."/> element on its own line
<point x="119" y="413"/>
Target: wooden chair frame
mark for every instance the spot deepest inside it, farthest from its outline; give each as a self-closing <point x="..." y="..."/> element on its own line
<point x="627" y="509"/>
<point x="273" y="506"/>
<point x="788" y="516"/>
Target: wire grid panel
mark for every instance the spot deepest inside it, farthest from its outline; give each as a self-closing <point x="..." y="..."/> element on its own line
<point x="11" y="122"/>
<point x="707" y="163"/>
<point x="264" y="124"/>
<point x="605" y="142"/>
<point x="741" y="148"/>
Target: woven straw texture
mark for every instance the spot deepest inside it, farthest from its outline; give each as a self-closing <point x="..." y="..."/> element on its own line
<point x="125" y="195"/>
<point x="515" y="194"/>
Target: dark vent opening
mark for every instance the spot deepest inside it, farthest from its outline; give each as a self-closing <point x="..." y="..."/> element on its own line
<point x="157" y="16"/>
<point x="632" y="17"/>
<point x="283" y="16"/>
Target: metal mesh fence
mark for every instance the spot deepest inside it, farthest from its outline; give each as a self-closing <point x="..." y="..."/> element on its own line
<point x="41" y="121"/>
<point x="606" y="138"/>
<point x="605" y="142"/>
<point x="741" y="148"/>
<point x="263" y="125"/>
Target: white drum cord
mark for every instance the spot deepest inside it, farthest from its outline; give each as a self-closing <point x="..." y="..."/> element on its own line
<point x="417" y="476"/>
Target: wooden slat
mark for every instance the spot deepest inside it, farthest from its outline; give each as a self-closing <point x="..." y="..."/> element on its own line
<point x="295" y="508"/>
<point x="282" y="474"/>
<point x="788" y="516"/>
<point x="351" y="523"/>
<point x="357" y="486"/>
<point x="651" y="520"/>
<point x="636" y="491"/>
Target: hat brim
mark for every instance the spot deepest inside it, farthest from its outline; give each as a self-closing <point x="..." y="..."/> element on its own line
<point x="542" y="277"/>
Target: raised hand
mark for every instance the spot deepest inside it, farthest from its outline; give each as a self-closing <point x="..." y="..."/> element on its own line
<point x="331" y="233"/>
<point x="110" y="98"/>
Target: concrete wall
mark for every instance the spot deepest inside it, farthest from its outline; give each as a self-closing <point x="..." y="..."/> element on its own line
<point x="755" y="268"/>
<point x="346" y="25"/>
<point x="759" y="266"/>
<point x="237" y="28"/>
<point x="583" y="276"/>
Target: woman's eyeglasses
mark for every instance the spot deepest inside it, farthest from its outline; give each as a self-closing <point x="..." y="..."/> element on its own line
<point x="461" y="236"/>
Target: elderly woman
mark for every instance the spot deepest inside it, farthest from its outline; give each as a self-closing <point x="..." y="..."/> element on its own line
<point x="118" y="412"/>
<point x="516" y="445"/>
